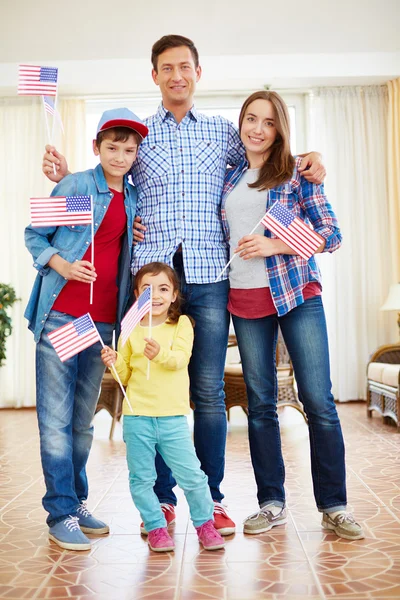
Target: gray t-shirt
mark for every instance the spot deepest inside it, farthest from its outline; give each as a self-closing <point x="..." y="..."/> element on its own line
<point x="244" y="208"/>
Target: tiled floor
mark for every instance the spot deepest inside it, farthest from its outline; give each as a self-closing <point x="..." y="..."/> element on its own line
<point x="292" y="562"/>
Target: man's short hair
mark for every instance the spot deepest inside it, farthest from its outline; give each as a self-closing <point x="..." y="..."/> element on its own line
<point x="172" y="41"/>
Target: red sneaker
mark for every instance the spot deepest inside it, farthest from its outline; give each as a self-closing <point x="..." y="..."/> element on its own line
<point x="160" y="541"/>
<point x="223" y="524"/>
<point x="209" y="536"/>
<point x="169" y="514"/>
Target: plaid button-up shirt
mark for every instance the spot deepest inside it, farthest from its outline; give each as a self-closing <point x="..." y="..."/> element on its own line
<point x="179" y="175"/>
<point x="289" y="274"/>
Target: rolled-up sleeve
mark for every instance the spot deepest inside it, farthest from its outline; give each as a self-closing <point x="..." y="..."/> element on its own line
<point x="37" y="240"/>
<point x="320" y="213"/>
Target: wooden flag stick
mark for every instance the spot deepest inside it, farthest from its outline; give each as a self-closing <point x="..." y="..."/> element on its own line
<point x="48" y="130"/>
<point x="234" y="256"/>
<point x="92" y="249"/>
<point x="150" y="325"/>
<point x="112" y="367"/>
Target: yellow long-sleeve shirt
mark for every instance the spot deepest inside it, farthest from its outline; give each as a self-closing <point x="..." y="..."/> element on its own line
<point x="166" y="393"/>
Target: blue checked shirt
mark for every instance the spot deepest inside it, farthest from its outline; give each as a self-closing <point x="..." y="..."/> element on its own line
<point x="179" y="175"/>
<point x="289" y="274"/>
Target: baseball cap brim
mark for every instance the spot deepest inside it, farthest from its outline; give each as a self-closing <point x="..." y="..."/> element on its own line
<point x="140" y="128"/>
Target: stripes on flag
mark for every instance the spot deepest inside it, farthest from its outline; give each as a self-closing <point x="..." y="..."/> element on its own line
<point x="60" y="210"/>
<point x="37" y="81"/>
<point x="74" y="337"/>
<point x="292" y="230"/>
<point x="49" y="106"/>
<point x="135" y="314"/>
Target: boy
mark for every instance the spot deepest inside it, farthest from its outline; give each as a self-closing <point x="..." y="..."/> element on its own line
<point x="67" y="392"/>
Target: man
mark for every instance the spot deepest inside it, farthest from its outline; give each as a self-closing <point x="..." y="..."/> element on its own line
<point x="179" y="175"/>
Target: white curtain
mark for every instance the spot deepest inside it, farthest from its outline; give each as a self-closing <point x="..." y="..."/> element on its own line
<point x="348" y="125"/>
<point x="22" y="140"/>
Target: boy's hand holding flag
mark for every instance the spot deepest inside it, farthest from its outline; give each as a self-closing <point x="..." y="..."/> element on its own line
<point x="56" y="211"/>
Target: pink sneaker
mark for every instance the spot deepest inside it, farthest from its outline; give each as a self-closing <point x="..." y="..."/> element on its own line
<point x="209" y="536"/>
<point x="160" y="540"/>
<point x="169" y="514"/>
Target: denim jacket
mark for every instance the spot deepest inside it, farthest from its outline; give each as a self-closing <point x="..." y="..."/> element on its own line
<point x="71" y="243"/>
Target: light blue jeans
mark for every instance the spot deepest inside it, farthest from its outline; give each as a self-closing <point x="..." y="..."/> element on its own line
<point x="170" y="436"/>
<point x="66" y="398"/>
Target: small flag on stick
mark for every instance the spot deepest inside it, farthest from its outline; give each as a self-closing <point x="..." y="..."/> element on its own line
<point x="292" y="230"/>
<point x="135" y="314"/>
<point x="74" y="337"/>
<point x="60" y="210"/>
<point x="49" y="106"/>
<point x="37" y="81"/>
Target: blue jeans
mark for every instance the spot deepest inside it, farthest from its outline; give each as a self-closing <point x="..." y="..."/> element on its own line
<point x="66" y="398"/>
<point x="206" y="303"/>
<point x="304" y="332"/>
<point x="170" y="436"/>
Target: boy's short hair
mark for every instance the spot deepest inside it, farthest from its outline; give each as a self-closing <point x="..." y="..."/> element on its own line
<point x="172" y="41"/>
<point x="117" y="134"/>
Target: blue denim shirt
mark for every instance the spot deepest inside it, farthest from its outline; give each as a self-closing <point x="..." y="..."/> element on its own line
<point x="71" y="243"/>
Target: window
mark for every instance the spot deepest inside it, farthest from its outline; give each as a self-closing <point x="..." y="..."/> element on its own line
<point x="226" y="105"/>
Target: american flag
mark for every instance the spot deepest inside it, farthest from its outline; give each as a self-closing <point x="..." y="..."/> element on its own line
<point x="60" y="210"/>
<point x="49" y="107"/>
<point x="37" y="81"/>
<point x="292" y="230"/>
<point x="74" y="337"/>
<point x="135" y="314"/>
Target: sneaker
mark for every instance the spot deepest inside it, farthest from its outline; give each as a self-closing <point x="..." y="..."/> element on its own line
<point x="264" y="520"/>
<point x="209" y="536"/>
<point x="67" y="535"/>
<point x="169" y="514"/>
<point x="160" y="541"/>
<point x="88" y="523"/>
<point x="343" y="525"/>
<point x="223" y="524"/>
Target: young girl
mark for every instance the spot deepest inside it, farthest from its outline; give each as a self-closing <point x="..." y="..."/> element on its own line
<point x="285" y="291"/>
<point x="159" y="405"/>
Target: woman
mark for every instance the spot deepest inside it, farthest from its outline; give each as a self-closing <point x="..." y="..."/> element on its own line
<point x="271" y="285"/>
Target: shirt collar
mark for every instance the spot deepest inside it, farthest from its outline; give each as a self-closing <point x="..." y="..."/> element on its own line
<point x="164" y="114"/>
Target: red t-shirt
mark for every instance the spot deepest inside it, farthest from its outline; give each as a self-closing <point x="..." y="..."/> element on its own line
<point x="261" y="304"/>
<point x="75" y="296"/>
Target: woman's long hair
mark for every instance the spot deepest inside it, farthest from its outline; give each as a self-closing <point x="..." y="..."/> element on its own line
<point x="279" y="165"/>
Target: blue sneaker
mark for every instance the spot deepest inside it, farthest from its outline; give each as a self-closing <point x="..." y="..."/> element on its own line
<point x="88" y="523"/>
<point x="68" y="535"/>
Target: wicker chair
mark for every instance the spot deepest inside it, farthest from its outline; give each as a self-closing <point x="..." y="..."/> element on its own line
<point x="235" y="388"/>
<point x="383" y="383"/>
<point x="111" y="399"/>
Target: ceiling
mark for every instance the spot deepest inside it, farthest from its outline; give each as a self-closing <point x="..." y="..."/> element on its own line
<point x="243" y="46"/>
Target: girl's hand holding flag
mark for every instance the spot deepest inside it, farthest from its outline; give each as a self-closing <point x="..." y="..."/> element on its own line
<point x="108" y="356"/>
<point x="151" y="349"/>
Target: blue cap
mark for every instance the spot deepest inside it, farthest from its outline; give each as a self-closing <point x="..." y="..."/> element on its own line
<point x="122" y="117"/>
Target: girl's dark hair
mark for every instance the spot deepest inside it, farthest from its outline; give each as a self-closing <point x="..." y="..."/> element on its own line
<point x="155" y="268"/>
<point x="279" y="166"/>
<point x="117" y="134"/>
<point x="172" y="41"/>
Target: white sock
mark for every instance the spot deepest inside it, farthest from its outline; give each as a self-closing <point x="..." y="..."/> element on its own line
<point x="333" y="515"/>
<point x="275" y="510"/>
